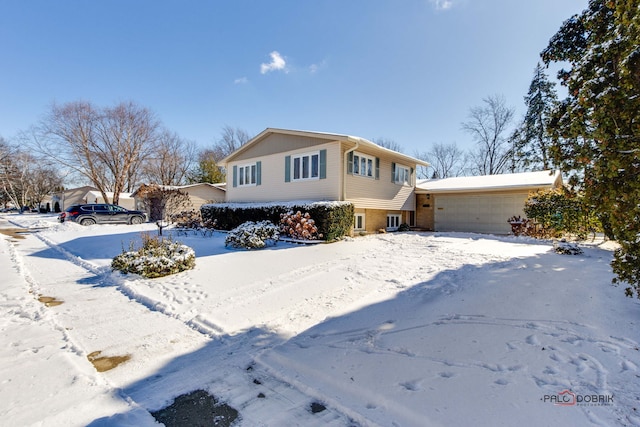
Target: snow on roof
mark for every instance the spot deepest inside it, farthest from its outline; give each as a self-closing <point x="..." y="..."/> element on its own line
<point x="109" y="194"/>
<point x="547" y="178"/>
<point x="307" y="204"/>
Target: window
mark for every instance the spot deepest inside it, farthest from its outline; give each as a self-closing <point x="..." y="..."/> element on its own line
<point x="393" y="222"/>
<point x="401" y="175"/>
<point x="358" y="221"/>
<point x="306" y="166"/>
<point x="247" y="175"/>
<point x="363" y="165"/>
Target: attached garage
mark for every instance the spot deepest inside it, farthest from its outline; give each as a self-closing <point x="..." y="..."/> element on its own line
<point x="478" y="213"/>
<point x="479" y="204"/>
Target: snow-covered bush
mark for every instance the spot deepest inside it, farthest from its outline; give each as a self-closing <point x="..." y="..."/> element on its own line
<point x="253" y="235"/>
<point x="156" y="258"/>
<point x="299" y="226"/>
<point x="566" y="248"/>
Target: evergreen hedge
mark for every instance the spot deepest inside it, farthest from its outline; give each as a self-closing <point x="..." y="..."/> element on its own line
<point x="333" y="219"/>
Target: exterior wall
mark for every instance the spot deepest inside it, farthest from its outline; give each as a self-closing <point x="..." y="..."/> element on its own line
<point x="273" y="186"/>
<point x="425" y="205"/>
<point x="380" y="193"/>
<point x="201" y="194"/>
<point x="280" y="143"/>
<point x="376" y="219"/>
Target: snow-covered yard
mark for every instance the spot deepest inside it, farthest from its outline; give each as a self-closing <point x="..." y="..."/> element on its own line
<point x="406" y="329"/>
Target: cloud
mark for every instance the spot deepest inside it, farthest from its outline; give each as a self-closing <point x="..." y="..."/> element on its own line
<point x="241" y="81"/>
<point x="277" y="63"/>
<point x="314" y="68"/>
<point x="442" y="4"/>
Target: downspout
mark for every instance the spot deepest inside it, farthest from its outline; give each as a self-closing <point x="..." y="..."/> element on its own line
<point x="346" y="168"/>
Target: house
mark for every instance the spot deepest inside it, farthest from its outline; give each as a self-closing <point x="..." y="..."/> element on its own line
<point x="480" y="204"/>
<point x="288" y="165"/>
<point x="125" y="200"/>
<point x="61" y="200"/>
<point x="198" y="194"/>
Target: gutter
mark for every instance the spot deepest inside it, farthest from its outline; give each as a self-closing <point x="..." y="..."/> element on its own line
<point x="346" y="166"/>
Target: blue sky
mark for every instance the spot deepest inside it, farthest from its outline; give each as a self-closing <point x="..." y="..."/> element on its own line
<point x="404" y="70"/>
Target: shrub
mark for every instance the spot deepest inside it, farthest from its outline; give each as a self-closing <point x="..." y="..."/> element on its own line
<point x="560" y="211"/>
<point x="299" y="226"/>
<point x="404" y="227"/>
<point x="333" y="219"/>
<point x="156" y="258"/>
<point x="252" y="235"/>
<point x="186" y="219"/>
<point x="566" y="248"/>
<point x="522" y="226"/>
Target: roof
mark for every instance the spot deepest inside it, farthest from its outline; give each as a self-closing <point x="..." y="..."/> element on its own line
<point x="98" y="194"/>
<point x="507" y="181"/>
<point x="356" y="141"/>
<point x="222" y="186"/>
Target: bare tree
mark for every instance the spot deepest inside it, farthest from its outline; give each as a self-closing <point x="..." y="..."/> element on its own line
<point x="106" y="146"/>
<point x="446" y="160"/>
<point x="388" y="143"/>
<point x="231" y="140"/>
<point x="489" y="127"/>
<point x="170" y="161"/>
<point x="25" y="180"/>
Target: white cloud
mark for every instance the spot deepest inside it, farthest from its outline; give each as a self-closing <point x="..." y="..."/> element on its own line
<point x="442" y="4"/>
<point x="314" y="68"/>
<point x="277" y="63"/>
<point x="241" y="81"/>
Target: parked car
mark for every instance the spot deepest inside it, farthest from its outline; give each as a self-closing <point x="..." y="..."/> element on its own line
<point x="101" y="213"/>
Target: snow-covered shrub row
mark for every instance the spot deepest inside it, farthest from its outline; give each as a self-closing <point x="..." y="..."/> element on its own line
<point x="299" y="226"/>
<point x="252" y="235"/>
<point x="332" y="219"/>
<point x="156" y="258"/>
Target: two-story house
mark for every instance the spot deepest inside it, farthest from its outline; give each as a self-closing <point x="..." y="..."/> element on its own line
<point x="288" y="165"/>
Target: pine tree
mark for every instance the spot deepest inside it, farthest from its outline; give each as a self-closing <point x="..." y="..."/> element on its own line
<point x="534" y="143"/>
<point x="596" y="128"/>
<point x="207" y="169"/>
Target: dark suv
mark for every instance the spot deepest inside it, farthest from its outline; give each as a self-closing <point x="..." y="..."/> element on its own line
<point x="101" y="213"/>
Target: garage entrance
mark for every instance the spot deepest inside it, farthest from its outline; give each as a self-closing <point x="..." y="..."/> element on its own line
<point x="479" y="213"/>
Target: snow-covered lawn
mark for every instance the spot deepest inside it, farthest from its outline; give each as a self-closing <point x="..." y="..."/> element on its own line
<point x="406" y="329"/>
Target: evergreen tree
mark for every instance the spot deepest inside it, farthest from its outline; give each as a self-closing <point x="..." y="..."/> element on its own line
<point x="207" y="169"/>
<point x="596" y="128"/>
<point x="533" y="142"/>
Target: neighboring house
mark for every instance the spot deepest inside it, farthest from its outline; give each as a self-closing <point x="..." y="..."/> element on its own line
<point x="288" y="165"/>
<point x="125" y="200"/>
<point x="198" y="195"/>
<point x="61" y="200"/>
<point x="480" y="204"/>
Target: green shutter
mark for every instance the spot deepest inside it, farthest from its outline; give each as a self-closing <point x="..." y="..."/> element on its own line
<point x="258" y="173"/>
<point x="393" y="172"/>
<point x="350" y="163"/>
<point x="377" y="168"/>
<point x="323" y="164"/>
<point x="235" y="176"/>
<point x="411" y="180"/>
<point x="287" y="169"/>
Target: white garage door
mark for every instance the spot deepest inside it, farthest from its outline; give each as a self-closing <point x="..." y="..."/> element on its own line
<point x="477" y="213"/>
